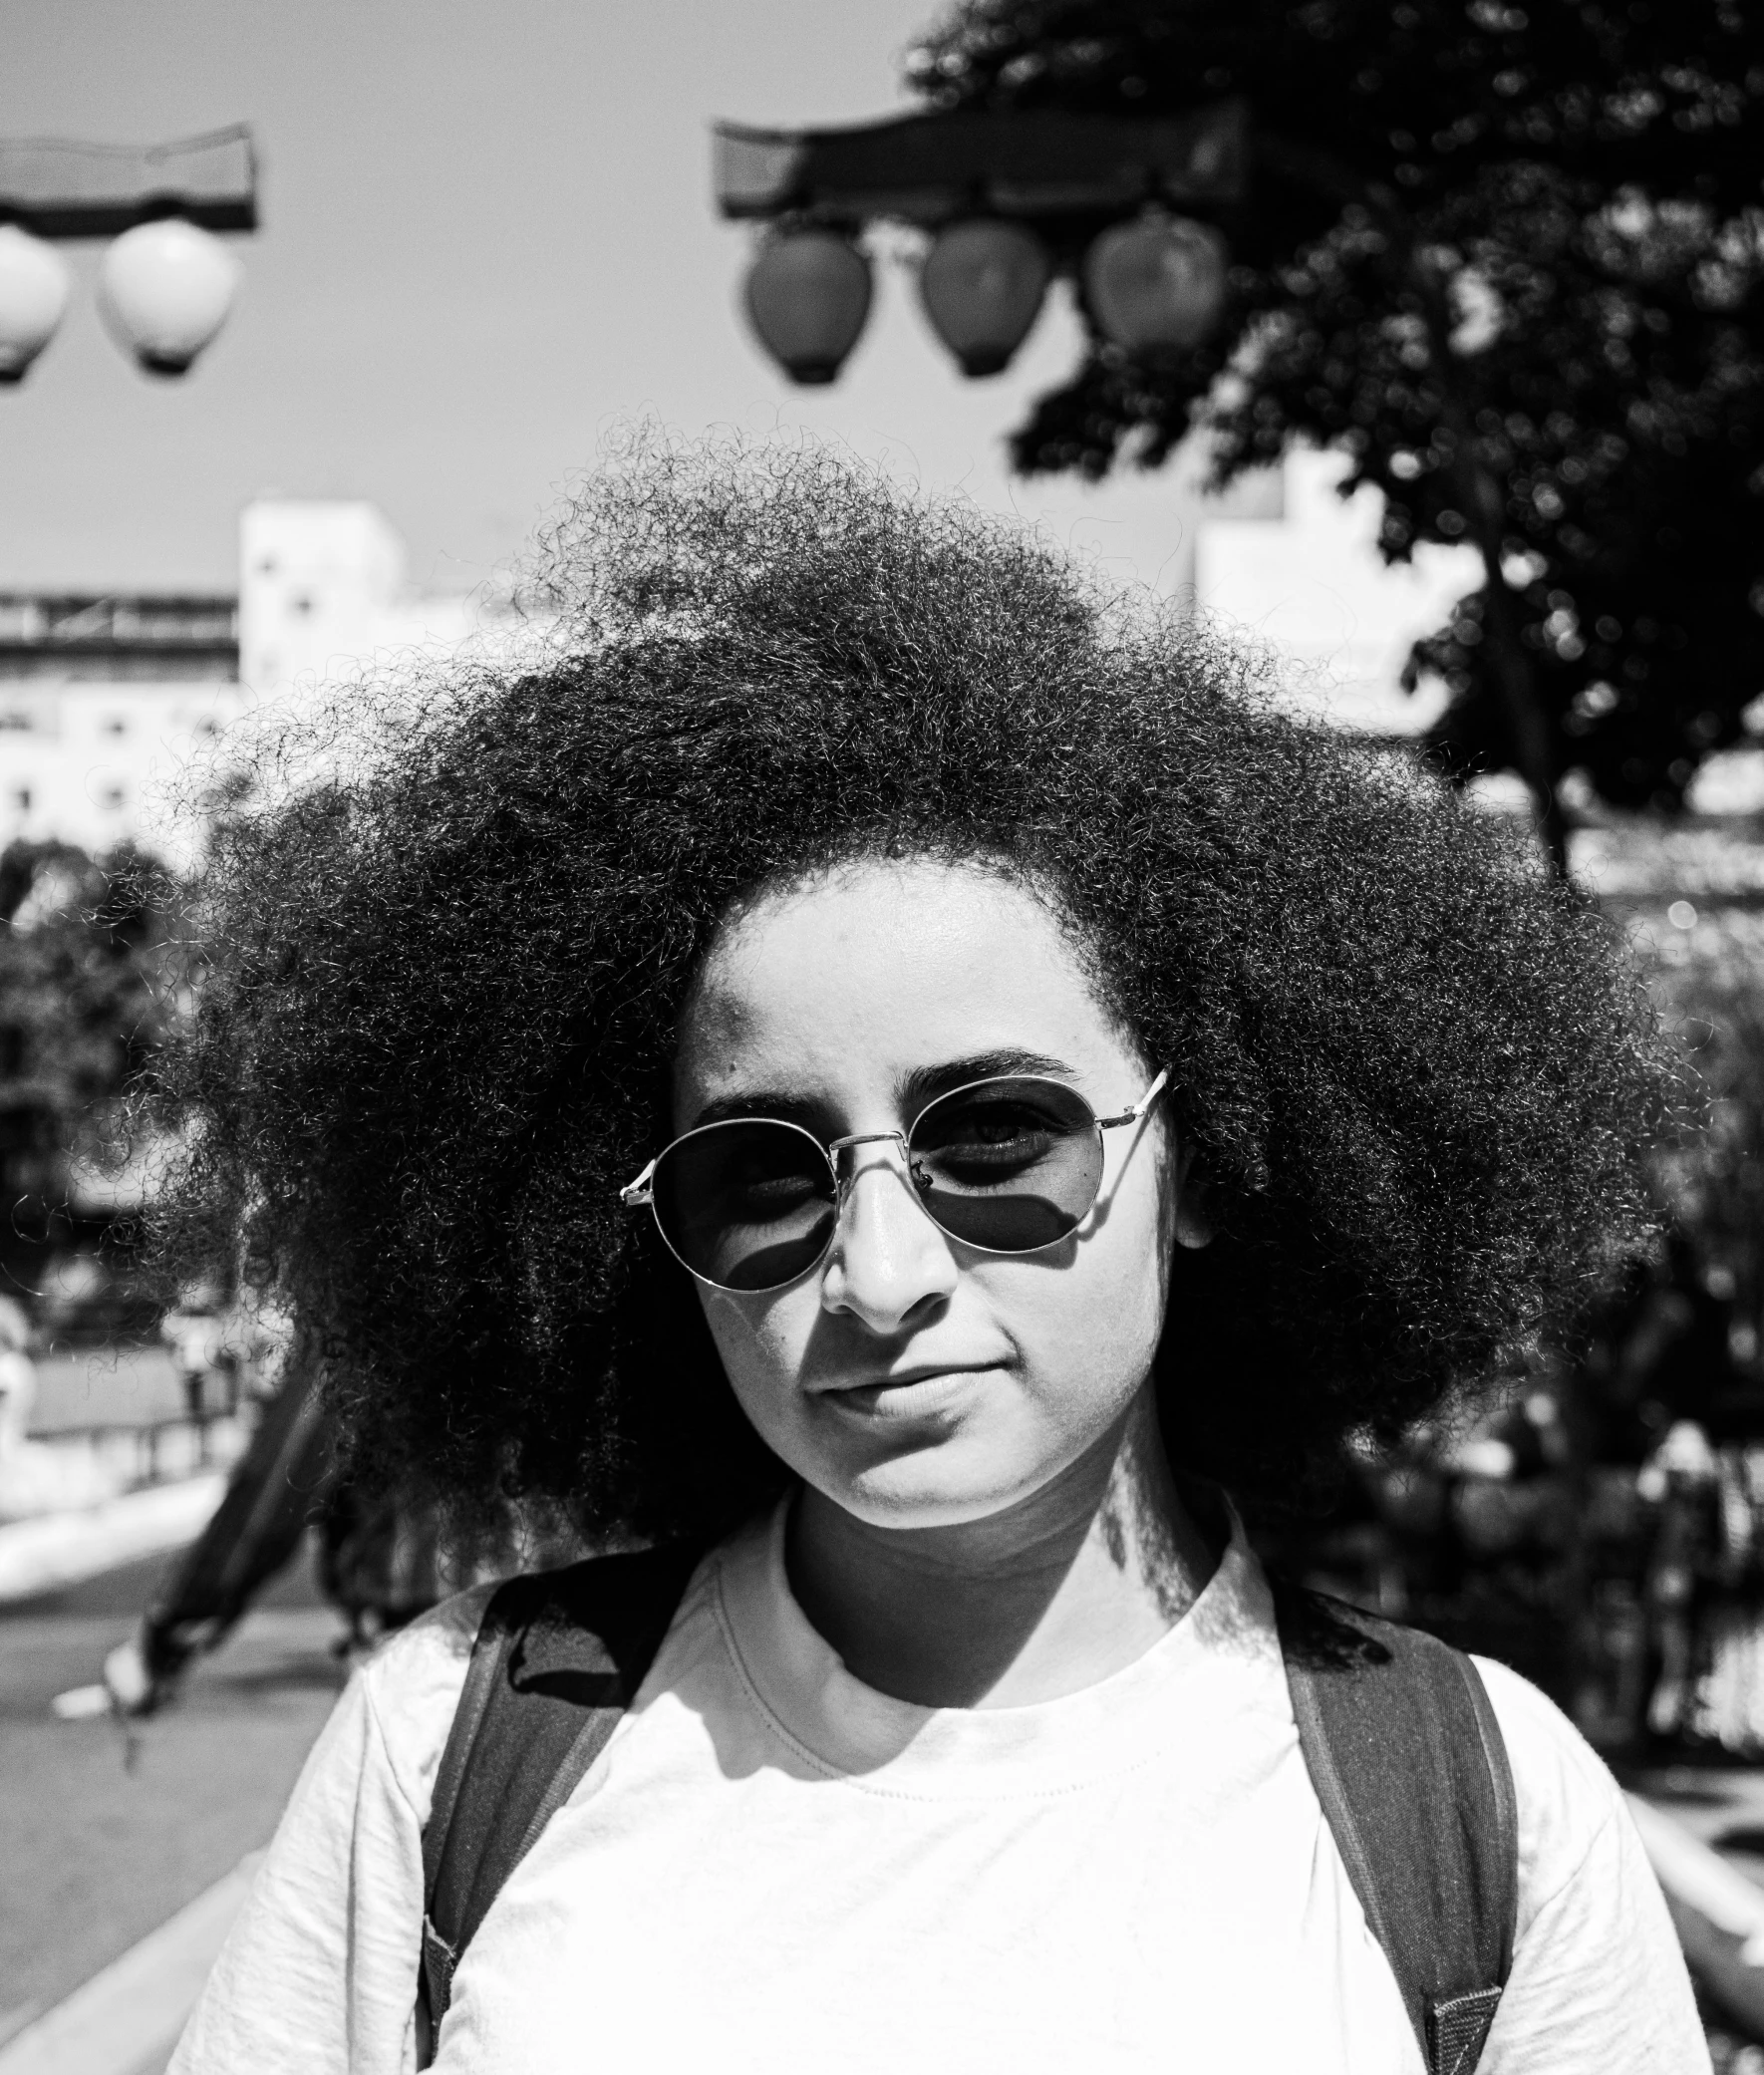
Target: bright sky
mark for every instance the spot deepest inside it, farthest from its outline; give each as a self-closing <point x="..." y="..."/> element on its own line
<point x="487" y="234"/>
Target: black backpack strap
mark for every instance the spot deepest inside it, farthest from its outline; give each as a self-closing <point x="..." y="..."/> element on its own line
<point x="1410" y="1767"/>
<point x="559" y="1657"/>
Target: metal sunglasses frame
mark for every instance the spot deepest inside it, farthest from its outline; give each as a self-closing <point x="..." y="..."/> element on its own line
<point x="636" y="1194"/>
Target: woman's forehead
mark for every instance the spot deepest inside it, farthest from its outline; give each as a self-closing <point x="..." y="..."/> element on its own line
<point x="870" y="973"/>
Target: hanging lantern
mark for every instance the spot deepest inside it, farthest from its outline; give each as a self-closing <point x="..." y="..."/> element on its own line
<point x="33" y="295"/>
<point x="1157" y="283"/>
<point x="809" y="293"/>
<point x="165" y="288"/>
<point x="982" y="285"/>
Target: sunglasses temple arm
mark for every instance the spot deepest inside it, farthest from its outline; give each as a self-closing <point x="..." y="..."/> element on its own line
<point x="634" y="1195"/>
<point x="1140" y="1109"/>
<point x="1143" y="1106"/>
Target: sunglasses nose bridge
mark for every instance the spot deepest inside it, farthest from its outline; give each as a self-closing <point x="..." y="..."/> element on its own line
<point x="836" y="1147"/>
<point x="845" y="1168"/>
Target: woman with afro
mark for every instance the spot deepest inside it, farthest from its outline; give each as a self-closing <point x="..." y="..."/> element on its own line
<point x="857" y="1056"/>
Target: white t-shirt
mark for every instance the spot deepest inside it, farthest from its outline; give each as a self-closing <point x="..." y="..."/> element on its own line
<point x="775" y="1868"/>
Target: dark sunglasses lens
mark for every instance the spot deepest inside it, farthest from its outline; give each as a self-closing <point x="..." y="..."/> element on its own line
<point x="1007" y="1165"/>
<point x="745" y="1205"/>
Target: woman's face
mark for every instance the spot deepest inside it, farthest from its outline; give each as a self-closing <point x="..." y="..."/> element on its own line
<point x="911" y="1380"/>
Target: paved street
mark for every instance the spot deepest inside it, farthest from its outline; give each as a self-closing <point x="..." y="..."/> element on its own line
<point x="98" y="1852"/>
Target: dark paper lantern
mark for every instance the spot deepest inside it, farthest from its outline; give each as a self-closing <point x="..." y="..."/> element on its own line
<point x="809" y="294"/>
<point x="1156" y="284"/>
<point x="982" y="285"/>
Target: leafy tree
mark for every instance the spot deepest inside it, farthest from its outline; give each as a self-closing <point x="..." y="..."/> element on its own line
<point x="82" y="945"/>
<point x="1708" y="984"/>
<point x="1510" y="259"/>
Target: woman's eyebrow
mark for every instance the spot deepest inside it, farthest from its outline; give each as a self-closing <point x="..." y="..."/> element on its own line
<point x="925" y="1084"/>
<point x="756" y="1102"/>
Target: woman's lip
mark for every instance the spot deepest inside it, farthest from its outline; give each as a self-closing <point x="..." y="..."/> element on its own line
<point x="911" y="1391"/>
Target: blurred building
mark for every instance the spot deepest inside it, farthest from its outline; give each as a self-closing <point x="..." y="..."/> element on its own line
<point x="101" y="700"/>
<point x="108" y="704"/>
<point x="323" y="589"/>
<point x="1310" y="581"/>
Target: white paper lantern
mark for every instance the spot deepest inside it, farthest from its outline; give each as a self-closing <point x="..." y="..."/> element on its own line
<point x="34" y="283"/>
<point x="1156" y="284"/>
<point x="166" y="289"/>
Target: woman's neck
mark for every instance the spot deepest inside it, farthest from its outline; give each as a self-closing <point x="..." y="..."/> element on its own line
<point x="1047" y="1597"/>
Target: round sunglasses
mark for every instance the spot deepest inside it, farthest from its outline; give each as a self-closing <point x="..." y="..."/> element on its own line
<point x="1009" y="1165"/>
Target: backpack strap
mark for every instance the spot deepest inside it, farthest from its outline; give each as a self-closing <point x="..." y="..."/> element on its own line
<point x="1410" y="1767"/>
<point x="558" y="1659"/>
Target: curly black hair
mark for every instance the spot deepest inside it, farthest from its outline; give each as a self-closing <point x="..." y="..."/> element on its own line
<point x="444" y="971"/>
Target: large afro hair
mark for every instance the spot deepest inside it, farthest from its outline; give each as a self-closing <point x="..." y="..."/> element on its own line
<point x="447" y="931"/>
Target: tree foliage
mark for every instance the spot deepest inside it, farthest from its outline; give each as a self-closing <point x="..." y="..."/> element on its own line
<point x="1707" y="982"/>
<point x="81" y="947"/>
<point x="1511" y="261"/>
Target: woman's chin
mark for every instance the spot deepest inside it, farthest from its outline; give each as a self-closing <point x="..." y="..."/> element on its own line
<point x="938" y="1487"/>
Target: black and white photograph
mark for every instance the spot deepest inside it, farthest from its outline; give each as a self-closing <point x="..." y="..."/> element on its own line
<point x="882" y="1038"/>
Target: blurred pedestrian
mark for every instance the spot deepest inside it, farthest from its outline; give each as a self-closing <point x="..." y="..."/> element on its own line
<point x="379" y="1561"/>
<point x="192" y="1329"/>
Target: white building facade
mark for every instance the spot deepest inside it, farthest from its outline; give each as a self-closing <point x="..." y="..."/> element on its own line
<point x="1311" y="584"/>
<point x="101" y="701"/>
<point x="108" y="705"/>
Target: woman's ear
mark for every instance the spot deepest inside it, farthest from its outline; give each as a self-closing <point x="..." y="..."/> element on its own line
<point x="1191" y="1224"/>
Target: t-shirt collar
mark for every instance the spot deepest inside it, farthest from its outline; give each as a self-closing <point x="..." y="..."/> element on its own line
<point x="1137" y="1715"/>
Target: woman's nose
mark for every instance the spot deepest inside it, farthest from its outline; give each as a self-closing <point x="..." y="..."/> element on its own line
<point x="887" y="1260"/>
